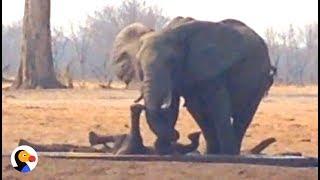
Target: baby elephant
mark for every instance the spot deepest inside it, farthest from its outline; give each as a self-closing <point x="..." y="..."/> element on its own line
<point x="122" y="144"/>
<point x="132" y="143"/>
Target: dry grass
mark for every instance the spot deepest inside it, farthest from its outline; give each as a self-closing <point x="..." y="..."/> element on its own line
<point x="289" y="114"/>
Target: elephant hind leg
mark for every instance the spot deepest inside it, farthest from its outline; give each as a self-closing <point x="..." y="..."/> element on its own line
<point x="212" y="111"/>
<point x="242" y="120"/>
<point x="196" y="109"/>
<point x="218" y="112"/>
<point x="243" y="116"/>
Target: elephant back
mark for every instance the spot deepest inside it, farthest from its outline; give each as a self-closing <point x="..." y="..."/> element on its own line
<point x="211" y="49"/>
<point x="257" y="50"/>
<point x="178" y="21"/>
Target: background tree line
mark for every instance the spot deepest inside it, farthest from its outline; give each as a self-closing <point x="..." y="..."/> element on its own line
<point x="84" y="53"/>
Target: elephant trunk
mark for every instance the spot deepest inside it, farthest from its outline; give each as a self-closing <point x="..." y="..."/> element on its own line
<point x="158" y="98"/>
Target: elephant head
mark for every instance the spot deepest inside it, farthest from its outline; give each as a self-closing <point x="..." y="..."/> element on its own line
<point x="126" y="45"/>
<point x="159" y="86"/>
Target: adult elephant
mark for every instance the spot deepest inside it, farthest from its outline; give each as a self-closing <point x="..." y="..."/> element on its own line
<point x="221" y="69"/>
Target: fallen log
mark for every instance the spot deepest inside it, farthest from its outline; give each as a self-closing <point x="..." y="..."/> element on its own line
<point x="287" y="161"/>
<point x="290" y="154"/>
<point x="74" y="148"/>
<point x="60" y="147"/>
<point x="261" y="146"/>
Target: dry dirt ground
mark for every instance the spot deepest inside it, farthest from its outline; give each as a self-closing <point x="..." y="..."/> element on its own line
<point x="289" y="114"/>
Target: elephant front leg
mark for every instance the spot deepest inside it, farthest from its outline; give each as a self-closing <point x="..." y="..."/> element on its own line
<point x="163" y="131"/>
<point x="218" y="112"/>
<point x="162" y="124"/>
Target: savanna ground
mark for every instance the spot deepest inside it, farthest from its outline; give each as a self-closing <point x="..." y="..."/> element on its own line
<point x="289" y="113"/>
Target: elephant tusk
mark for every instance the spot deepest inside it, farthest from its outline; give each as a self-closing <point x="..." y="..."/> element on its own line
<point x="167" y="101"/>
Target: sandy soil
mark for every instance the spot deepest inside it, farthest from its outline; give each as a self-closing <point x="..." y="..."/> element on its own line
<point x="99" y="169"/>
<point x="66" y="116"/>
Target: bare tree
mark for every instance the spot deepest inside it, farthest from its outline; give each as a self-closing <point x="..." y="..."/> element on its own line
<point x="86" y="52"/>
<point x="36" y="66"/>
<point x="59" y="42"/>
<point x="105" y="24"/>
<point x="4" y="70"/>
<point x="271" y="39"/>
<point x="311" y="41"/>
<point x="295" y="54"/>
<point x="81" y="42"/>
<point x="11" y="40"/>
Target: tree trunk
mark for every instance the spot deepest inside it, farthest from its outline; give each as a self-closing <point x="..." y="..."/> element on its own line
<point x="36" y="67"/>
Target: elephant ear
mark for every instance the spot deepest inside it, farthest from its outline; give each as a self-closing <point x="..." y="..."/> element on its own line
<point x="125" y="47"/>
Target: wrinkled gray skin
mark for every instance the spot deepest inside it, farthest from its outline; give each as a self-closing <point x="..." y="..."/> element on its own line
<point x="221" y="69"/>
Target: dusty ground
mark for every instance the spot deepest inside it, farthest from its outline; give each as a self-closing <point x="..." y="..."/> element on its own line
<point x="66" y="116"/>
<point x="99" y="169"/>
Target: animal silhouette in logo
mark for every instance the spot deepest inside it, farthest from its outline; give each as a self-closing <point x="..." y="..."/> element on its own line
<point x="22" y="157"/>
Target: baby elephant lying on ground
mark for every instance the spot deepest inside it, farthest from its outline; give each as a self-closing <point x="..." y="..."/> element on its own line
<point x="122" y="144"/>
<point x="132" y="143"/>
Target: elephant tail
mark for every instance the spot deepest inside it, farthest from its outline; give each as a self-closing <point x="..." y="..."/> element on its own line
<point x="271" y="74"/>
<point x="273" y="71"/>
